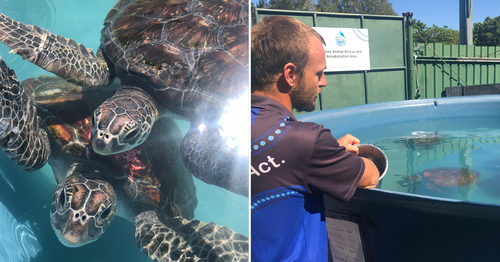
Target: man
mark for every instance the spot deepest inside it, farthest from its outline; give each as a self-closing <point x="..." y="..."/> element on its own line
<point x="294" y="163"/>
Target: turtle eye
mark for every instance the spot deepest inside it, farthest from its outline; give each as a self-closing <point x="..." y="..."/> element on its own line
<point x="95" y="117"/>
<point x="62" y="199"/>
<point x="132" y="134"/>
<point x="65" y="196"/>
<point x="105" y="213"/>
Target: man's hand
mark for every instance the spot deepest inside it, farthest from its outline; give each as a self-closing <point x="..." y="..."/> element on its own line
<point x="350" y="143"/>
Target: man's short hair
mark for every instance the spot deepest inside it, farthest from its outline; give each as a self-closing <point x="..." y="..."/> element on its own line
<point x="276" y="41"/>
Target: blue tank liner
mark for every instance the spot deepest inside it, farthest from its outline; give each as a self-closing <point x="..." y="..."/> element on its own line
<point x="408" y="227"/>
<point x="353" y="118"/>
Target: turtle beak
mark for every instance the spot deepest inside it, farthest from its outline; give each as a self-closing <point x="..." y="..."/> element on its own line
<point x="68" y="239"/>
<point x="99" y="146"/>
<point x="72" y="239"/>
<point x="104" y="143"/>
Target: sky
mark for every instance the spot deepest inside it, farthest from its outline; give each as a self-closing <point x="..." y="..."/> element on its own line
<point x="443" y="12"/>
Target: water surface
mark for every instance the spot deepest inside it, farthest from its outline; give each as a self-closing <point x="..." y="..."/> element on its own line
<point x="414" y="148"/>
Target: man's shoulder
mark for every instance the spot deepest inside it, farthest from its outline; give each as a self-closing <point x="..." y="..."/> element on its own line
<point x="269" y="105"/>
<point x="268" y="113"/>
<point x="271" y="119"/>
<point x="282" y="130"/>
<point x="266" y="118"/>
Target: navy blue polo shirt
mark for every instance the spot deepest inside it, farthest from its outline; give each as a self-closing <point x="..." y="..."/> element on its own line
<point x="293" y="164"/>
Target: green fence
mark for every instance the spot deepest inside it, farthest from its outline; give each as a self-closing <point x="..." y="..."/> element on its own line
<point x="440" y="66"/>
<point x="394" y="74"/>
<point x="386" y="79"/>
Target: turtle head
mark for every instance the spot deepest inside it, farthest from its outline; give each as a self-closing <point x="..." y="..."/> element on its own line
<point x="82" y="209"/>
<point x="122" y="122"/>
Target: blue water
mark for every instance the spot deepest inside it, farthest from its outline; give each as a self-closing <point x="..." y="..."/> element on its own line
<point x="82" y="21"/>
<point x="17" y="241"/>
<point x="414" y="147"/>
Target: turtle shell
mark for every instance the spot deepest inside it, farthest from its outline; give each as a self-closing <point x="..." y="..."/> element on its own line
<point x="192" y="56"/>
<point x="426" y="142"/>
<point x="451" y="176"/>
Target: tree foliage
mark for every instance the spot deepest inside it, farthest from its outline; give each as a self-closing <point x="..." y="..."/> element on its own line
<point x="488" y="32"/>
<point x="435" y="34"/>
<point x="299" y="5"/>
<point x="375" y="7"/>
<point x="328" y="6"/>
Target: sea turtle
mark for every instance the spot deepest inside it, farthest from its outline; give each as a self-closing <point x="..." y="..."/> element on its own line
<point x="186" y="59"/>
<point x="426" y="142"/>
<point x="147" y="184"/>
<point x="450" y="176"/>
<point x="423" y="140"/>
<point x="438" y="179"/>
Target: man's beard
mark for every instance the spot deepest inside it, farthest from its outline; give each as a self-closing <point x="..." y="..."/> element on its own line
<point x="303" y="99"/>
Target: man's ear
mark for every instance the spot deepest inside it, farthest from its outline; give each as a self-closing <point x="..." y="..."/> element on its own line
<point x="290" y="74"/>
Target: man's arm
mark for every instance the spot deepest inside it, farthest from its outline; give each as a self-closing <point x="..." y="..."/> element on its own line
<point x="350" y="143"/>
<point x="370" y="176"/>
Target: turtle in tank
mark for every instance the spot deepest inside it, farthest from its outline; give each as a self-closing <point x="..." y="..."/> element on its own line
<point x="148" y="184"/>
<point x="451" y="176"/>
<point x="441" y="178"/>
<point x="185" y="59"/>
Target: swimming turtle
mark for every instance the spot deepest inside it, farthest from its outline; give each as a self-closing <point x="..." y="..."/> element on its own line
<point x="423" y="140"/>
<point x="450" y="176"/>
<point x="437" y="179"/>
<point x="426" y="142"/>
<point x="185" y="59"/>
<point x="147" y="184"/>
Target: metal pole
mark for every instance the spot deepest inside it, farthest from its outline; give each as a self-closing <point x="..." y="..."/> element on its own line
<point x="466" y="22"/>
<point x="410" y="56"/>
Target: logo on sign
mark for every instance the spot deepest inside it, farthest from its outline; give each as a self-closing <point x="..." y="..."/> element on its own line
<point x="340" y="39"/>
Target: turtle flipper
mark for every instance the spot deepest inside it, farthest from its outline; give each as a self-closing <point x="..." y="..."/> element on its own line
<point x="56" y="54"/>
<point x="21" y="137"/>
<point x="178" y="239"/>
<point x="213" y="158"/>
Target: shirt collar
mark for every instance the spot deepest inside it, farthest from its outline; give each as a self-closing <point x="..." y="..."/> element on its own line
<point x="264" y="102"/>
